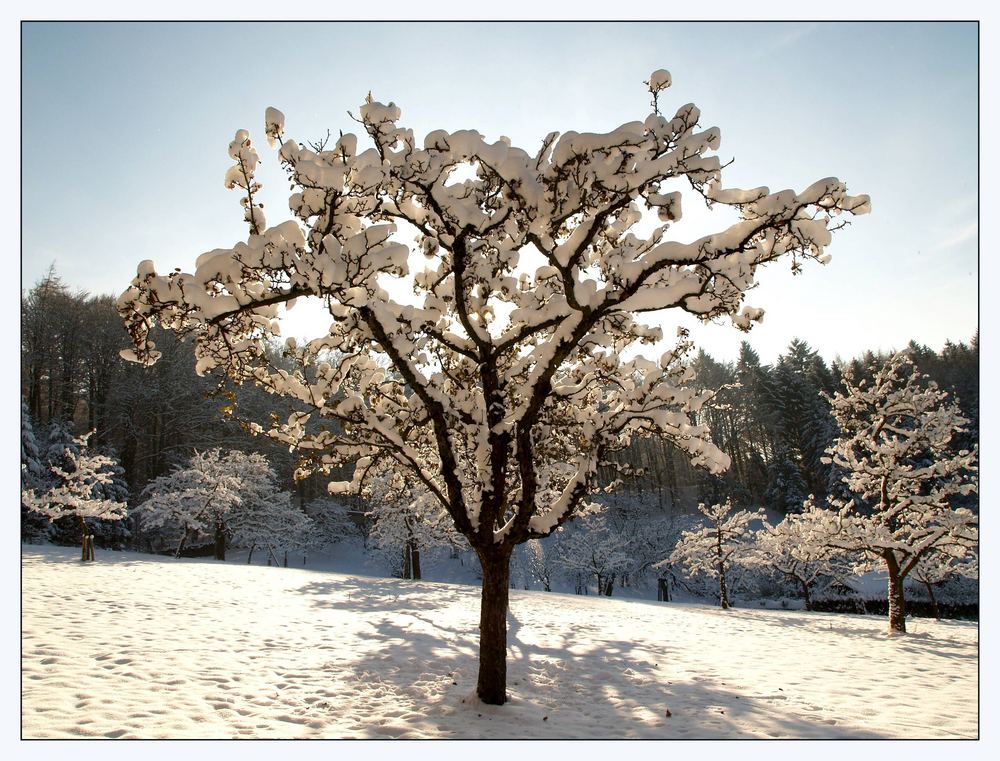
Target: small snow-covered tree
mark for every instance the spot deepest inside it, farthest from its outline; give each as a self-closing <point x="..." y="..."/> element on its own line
<point x="265" y="516"/>
<point x="714" y="548"/>
<point x="896" y="456"/>
<point x="80" y="479"/>
<point x="330" y="522"/>
<point x="537" y="560"/>
<point x="503" y="379"/>
<point x="194" y="498"/>
<point x="32" y="470"/>
<point x="595" y="548"/>
<point x="231" y="496"/>
<point x="405" y="518"/>
<point x="800" y="548"/>
<point x="941" y="565"/>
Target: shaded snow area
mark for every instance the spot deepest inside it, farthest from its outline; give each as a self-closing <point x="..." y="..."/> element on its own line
<point x="143" y="646"/>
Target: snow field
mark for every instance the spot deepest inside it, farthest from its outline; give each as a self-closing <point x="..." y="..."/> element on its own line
<point x="141" y="646"/>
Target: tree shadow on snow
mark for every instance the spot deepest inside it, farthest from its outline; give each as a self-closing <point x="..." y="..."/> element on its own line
<point x="561" y="684"/>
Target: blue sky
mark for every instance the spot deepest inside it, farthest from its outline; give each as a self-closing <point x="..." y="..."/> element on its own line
<point x="125" y="128"/>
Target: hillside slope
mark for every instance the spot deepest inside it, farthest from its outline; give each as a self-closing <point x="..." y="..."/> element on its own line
<point x="150" y="647"/>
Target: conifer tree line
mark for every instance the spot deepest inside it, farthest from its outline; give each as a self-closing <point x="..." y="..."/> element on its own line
<point x="776" y="424"/>
<point x="774" y="420"/>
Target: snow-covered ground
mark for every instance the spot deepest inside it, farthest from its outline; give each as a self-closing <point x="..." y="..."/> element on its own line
<point x="150" y="647"/>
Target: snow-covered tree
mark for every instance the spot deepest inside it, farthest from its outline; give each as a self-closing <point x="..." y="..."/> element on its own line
<point x="32" y="470"/>
<point x="405" y="518"/>
<point x="536" y="561"/>
<point x="499" y="373"/>
<point x="939" y="566"/>
<point x="79" y="481"/>
<point x="330" y="522"/>
<point x="896" y="455"/>
<point x="596" y="549"/>
<point x="712" y="549"/>
<point x="800" y="548"/>
<point x="265" y="516"/>
<point x="231" y="496"/>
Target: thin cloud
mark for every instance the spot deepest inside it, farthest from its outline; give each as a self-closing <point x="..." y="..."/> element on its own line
<point x="785" y="39"/>
<point x="960" y="235"/>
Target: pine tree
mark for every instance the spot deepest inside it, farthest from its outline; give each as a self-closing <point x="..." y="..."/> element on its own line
<point x="34" y="527"/>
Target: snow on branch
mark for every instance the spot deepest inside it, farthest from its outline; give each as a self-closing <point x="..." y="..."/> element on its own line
<point x="513" y="371"/>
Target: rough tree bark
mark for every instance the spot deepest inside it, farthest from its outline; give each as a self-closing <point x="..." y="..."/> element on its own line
<point x="897" y="601"/>
<point x="492" y="684"/>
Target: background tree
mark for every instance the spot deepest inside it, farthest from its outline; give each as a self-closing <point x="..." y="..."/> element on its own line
<point x="331" y="522"/>
<point x="714" y="548"/>
<point x="596" y="549"/>
<point x="266" y="516"/>
<point x="941" y="565"/>
<point x="79" y="480"/>
<point x="230" y="496"/>
<point x="895" y="451"/>
<point x="799" y="547"/>
<point x="502" y="385"/>
<point x="405" y="519"/>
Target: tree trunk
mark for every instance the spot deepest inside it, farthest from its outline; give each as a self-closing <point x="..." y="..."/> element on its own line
<point x="805" y="594"/>
<point x="406" y="561"/>
<point x="897" y="602"/>
<point x="250" y="554"/>
<point x="492" y="685"/>
<point x="220" y="541"/>
<point x="723" y="592"/>
<point x="934" y="605"/>
<point x="86" y="553"/>
<point x="415" y="559"/>
<point x="180" y="545"/>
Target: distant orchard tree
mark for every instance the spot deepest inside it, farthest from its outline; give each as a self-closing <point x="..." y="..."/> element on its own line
<point x="405" y="518"/>
<point x="597" y="550"/>
<point x="895" y="451"/>
<point x="714" y="548"/>
<point x="330" y="522"/>
<point x="230" y="496"/>
<point x="78" y="487"/>
<point x="940" y="566"/>
<point x="505" y="379"/>
<point x="799" y="547"/>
